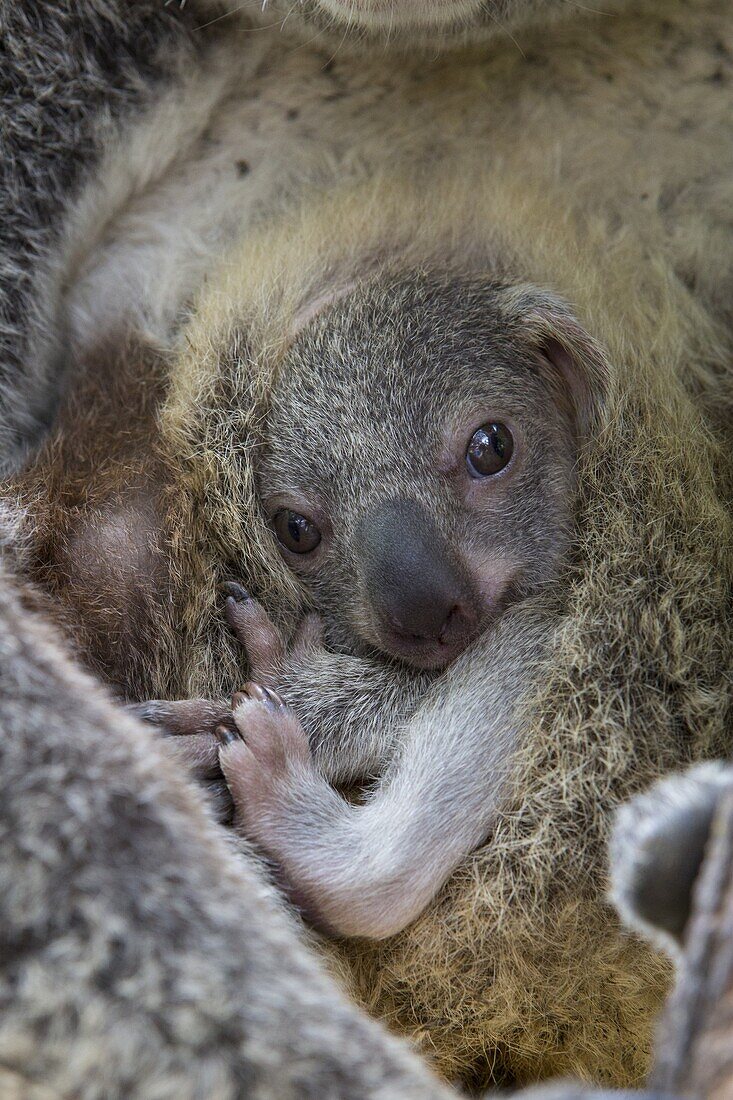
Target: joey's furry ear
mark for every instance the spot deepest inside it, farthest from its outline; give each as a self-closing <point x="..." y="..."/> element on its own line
<point x="316" y="302"/>
<point x="577" y="367"/>
<point x="657" y="850"/>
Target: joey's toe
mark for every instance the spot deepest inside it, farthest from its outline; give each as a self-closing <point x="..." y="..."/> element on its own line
<point x="256" y="632"/>
<point x="181" y="717"/>
<point x="260" y="694"/>
<point x="272" y="731"/>
<point x="244" y="778"/>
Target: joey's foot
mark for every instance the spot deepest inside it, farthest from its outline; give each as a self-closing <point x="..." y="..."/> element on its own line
<point x="284" y="803"/>
<point x="276" y="789"/>
<point x="267" y="648"/>
<point x="265" y="763"/>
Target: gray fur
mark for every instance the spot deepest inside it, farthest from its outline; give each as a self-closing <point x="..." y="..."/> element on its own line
<point x="70" y="73"/>
<point x="672" y="874"/>
<point x="657" y="851"/>
<point x="140" y="957"/>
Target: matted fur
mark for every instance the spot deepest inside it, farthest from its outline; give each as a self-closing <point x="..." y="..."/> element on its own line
<point x="518" y="969"/>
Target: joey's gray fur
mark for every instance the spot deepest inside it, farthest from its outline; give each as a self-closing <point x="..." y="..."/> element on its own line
<point x="379" y="700"/>
<point x="139" y="957"/>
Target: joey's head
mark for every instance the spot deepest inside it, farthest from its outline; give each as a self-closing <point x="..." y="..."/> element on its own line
<point x="419" y="459"/>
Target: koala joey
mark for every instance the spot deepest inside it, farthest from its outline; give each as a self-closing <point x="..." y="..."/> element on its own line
<point x="420" y="487"/>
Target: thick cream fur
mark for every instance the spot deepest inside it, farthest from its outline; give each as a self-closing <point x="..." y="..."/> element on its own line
<point x="518" y="969"/>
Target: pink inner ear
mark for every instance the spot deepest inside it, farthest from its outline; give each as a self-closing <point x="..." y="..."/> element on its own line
<point x="559" y="356"/>
<point x="569" y="382"/>
<point x="308" y="311"/>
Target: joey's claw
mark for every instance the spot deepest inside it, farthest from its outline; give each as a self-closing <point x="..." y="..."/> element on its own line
<point x="272" y="779"/>
<point x="272" y="758"/>
<point x="235" y="591"/>
<point x="226" y="736"/>
<point x="259" y="694"/>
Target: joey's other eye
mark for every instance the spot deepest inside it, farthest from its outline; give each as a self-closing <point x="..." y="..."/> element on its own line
<point x="296" y="532"/>
<point x="489" y="450"/>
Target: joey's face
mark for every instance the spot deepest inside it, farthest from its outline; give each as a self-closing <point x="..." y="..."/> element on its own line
<point x="417" y="471"/>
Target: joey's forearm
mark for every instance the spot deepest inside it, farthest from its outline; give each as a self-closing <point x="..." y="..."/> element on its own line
<point x="351" y="709"/>
<point x="374" y="868"/>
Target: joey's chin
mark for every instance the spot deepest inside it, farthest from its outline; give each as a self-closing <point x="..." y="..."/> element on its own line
<point x="424" y="653"/>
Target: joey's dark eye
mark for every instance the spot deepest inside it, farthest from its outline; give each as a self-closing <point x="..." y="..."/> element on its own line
<point x="296" y="532"/>
<point x="489" y="450"/>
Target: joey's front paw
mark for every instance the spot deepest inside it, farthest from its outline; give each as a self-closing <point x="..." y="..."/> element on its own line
<point x="266" y="763"/>
<point x="267" y="648"/>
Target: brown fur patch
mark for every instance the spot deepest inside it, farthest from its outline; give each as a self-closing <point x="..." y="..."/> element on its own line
<point x="91" y="504"/>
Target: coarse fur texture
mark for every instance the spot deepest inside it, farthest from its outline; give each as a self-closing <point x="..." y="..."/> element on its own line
<point x="140" y="957"/>
<point x="671" y="877"/>
<point x="515" y="969"/>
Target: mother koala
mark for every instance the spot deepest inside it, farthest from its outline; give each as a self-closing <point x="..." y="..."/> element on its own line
<point x="517" y="969"/>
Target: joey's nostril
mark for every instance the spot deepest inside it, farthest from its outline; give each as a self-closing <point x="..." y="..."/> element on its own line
<point x="450" y="621"/>
<point x="458" y="621"/>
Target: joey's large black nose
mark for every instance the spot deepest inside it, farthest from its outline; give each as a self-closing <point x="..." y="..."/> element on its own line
<point x="414" y="582"/>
